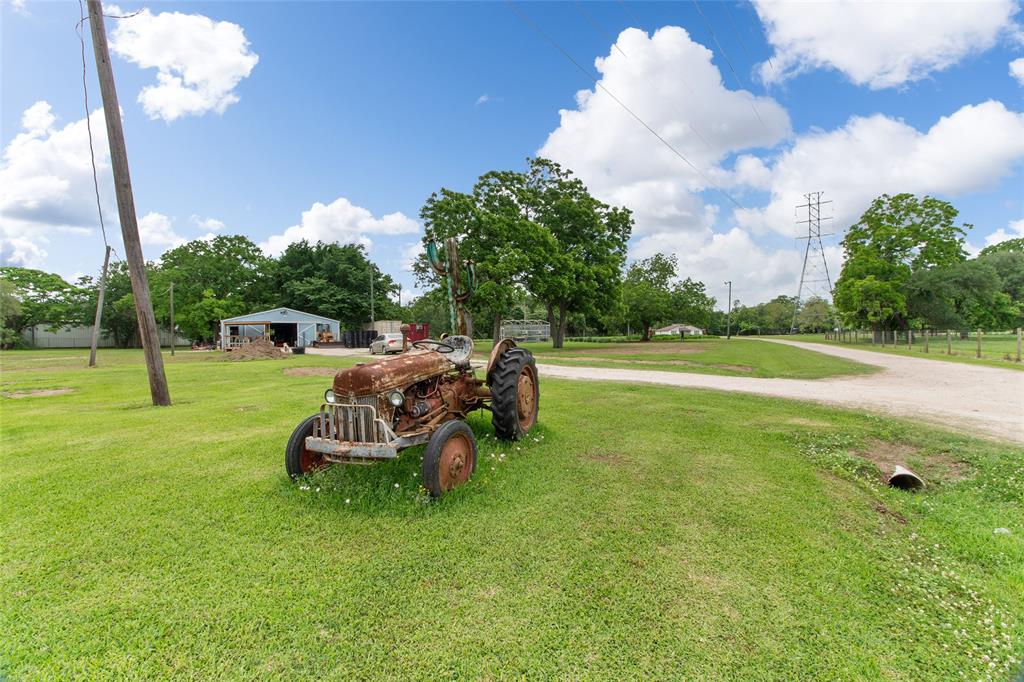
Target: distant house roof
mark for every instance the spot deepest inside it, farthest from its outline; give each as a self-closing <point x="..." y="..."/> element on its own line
<point x="676" y="328"/>
<point x="281" y="314"/>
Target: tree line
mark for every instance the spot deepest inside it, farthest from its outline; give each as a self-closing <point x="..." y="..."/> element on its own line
<point x="907" y="267"/>
<point x="213" y="279"/>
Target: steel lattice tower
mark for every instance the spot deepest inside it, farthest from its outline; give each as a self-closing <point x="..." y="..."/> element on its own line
<point x="814" y="278"/>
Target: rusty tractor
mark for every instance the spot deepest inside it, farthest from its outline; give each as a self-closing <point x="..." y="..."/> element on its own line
<point x="375" y="409"/>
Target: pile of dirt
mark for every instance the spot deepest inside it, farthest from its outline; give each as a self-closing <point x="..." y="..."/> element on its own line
<point x="260" y="349"/>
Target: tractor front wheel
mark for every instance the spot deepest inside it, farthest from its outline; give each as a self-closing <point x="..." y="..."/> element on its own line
<point x="298" y="461"/>
<point x="515" y="394"/>
<point x="450" y="457"/>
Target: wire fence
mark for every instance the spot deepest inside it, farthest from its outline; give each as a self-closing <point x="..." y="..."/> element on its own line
<point x="1005" y="345"/>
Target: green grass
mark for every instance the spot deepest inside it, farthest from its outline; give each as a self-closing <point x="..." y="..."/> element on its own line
<point x="639" y="533"/>
<point x="997" y="350"/>
<point x="734" y="357"/>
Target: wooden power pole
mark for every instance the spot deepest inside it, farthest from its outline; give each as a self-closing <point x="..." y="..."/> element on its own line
<point x="99" y="309"/>
<point x="126" y="210"/>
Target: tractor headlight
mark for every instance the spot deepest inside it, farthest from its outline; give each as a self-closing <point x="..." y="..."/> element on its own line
<point x="396" y="398"/>
<point x="329" y="396"/>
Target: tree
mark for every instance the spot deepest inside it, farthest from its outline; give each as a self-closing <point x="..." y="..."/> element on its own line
<point x="580" y="252"/>
<point x="43" y="297"/>
<point x="647" y="294"/>
<point x="896" y="237"/>
<point x="333" y="280"/>
<point x="1015" y="245"/>
<point x="491" y="231"/>
<point x="10" y="311"/>
<point x="814" y="316"/>
<point x="226" y="273"/>
<point x="691" y="304"/>
<point x="963" y="295"/>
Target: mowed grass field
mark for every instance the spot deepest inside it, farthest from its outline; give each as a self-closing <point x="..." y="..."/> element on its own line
<point x="732" y="357"/>
<point x="997" y="350"/>
<point x="638" y="533"/>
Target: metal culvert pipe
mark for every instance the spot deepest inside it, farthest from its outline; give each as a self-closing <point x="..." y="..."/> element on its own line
<point x="905" y="479"/>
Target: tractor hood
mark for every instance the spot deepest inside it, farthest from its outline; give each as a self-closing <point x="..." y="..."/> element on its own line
<point x="398" y="371"/>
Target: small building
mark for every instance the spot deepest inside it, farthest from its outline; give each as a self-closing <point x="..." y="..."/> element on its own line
<point x="281" y="325"/>
<point x="679" y="330"/>
<point x="526" y="330"/>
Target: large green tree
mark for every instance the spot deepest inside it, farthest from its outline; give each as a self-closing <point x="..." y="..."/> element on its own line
<point x="647" y="292"/>
<point x="896" y="237"/>
<point x="333" y="280"/>
<point x="216" y="278"/>
<point x="43" y="298"/>
<point x="581" y="249"/>
<point x="691" y="303"/>
<point x="967" y="295"/>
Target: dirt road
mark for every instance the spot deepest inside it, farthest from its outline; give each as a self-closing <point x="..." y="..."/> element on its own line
<point x="984" y="401"/>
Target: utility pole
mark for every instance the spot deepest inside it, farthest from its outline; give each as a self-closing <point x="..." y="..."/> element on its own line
<point x="99" y="309"/>
<point x="814" y="278"/>
<point x="126" y="210"/>
<point x="173" y="334"/>
<point x="728" y="314"/>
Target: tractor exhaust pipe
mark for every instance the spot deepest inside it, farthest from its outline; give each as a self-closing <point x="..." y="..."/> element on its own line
<point x="405" y="337"/>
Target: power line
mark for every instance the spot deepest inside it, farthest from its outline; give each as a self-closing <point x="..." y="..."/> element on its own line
<point x="88" y="124"/>
<point x="628" y="11"/>
<point x="597" y="83"/>
<point x="597" y="27"/>
<point x="728" y="63"/>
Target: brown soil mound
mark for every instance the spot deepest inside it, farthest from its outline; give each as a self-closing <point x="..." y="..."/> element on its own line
<point x="260" y="349"/>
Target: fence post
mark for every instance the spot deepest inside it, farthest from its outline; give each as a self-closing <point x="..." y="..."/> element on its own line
<point x="925" y="333"/>
<point x="1018" y="344"/>
<point x="949" y="343"/>
<point x="910" y="337"/>
<point x="979" y="344"/>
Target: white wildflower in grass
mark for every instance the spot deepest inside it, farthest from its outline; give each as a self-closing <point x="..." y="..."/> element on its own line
<point x="396" y="485"/>
<point x="303" y="487"/>
<point x="318" y="489"/>
<point x="347" y="500"/>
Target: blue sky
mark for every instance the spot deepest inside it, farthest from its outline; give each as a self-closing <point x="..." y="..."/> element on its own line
<point x="367" y="108"/>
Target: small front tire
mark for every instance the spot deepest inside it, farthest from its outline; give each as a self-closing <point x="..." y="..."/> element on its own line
<point x="450" y="457"/>
<point x="298" y="461"/>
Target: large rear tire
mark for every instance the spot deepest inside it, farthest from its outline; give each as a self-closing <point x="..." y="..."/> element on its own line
<point x="298" y="461"/>
<point x="450" y="457"/>
<point x="515" y="394"/>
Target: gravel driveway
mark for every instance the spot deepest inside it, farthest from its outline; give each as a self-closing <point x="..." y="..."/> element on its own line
<point x="983" y="401"/>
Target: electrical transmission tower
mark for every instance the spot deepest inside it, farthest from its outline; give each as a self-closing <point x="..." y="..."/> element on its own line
<point x="815" y="281"/>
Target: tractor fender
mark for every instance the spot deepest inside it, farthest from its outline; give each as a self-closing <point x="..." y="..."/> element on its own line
<point x="496" y="352"/>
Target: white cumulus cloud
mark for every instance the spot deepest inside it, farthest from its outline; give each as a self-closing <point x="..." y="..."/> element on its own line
<point x="340" y="221"/>
<point x="878" y="44"/>
<point x="208" y="224"/>
<point x="199" y="61"/>
<point x="671" y="83"/>
<point x="157" y="230"/>
<point x="1014" y="230"/>
<point x="971" y="149"/>
<point x="46" y="184"/>
<point x="1017" y="69"/>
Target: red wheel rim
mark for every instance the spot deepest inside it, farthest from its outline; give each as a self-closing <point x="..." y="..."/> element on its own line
<point x="456" y="462"/>
<point x="526" y="398"/>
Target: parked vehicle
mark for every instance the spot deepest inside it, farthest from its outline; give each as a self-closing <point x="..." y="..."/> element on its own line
<point x="386" y="343"/>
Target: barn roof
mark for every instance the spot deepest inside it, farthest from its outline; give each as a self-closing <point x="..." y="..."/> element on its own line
<point x="276" y="315"/>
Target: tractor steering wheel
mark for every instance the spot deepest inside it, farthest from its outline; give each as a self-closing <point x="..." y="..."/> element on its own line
<point x="439" y="346"/>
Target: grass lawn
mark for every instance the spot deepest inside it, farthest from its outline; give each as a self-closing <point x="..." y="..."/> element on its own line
<point x="734" y="357"/>
<point x="994" y="348"/>
<point x="640" y="532"/>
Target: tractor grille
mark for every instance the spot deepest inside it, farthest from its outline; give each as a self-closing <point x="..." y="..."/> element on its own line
<point x="354" y="423"/>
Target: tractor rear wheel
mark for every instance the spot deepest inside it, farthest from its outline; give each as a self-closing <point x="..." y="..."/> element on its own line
<point x="298" y="461"/>
<point x="515" y="394"/>
<point x="450" y="457"/>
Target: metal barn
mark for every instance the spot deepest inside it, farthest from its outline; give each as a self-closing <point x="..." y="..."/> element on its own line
<point x="282" y="325"/>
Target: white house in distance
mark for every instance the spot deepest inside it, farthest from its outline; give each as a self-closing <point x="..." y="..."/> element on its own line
<point x="679" y="330"/>
<point x="283" y="325"/>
